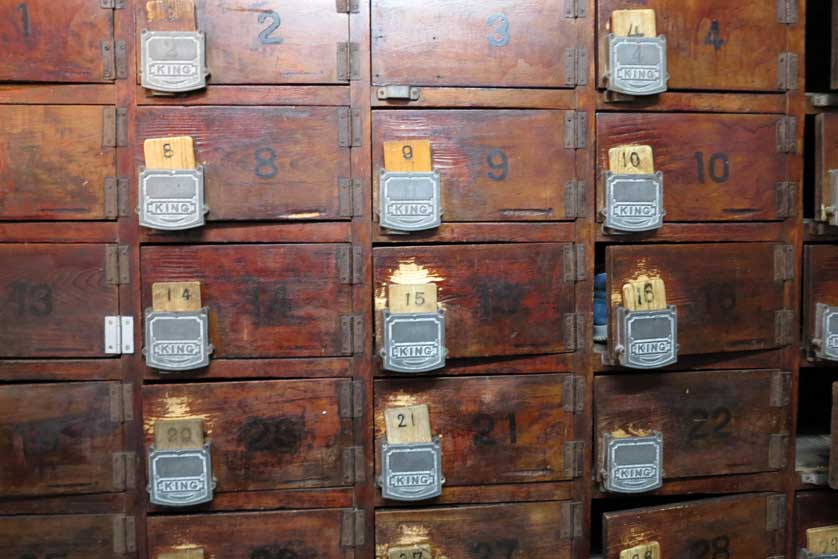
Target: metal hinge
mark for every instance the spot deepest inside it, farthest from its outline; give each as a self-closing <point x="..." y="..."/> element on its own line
<point x="576" y="66"/>
<point x="786" y="199"/>
<point x="778" y="445"/>
<point x="775" y="517"/>
<point x="124" y="534"/>
<point x="352" y="334"/>
<point x="783" y="324"/>
<point x="350" y="264"/>
<point x="124" y="471"/>
<point x="349" y="61"/>
<point x="573" y="397"/>
<point x="574" y="329"/>
<point x="354" y="465"/>
<point x="575" y="130"/>
<point x="117" y="267"/>
<point x="573" y="256"/>
<point x="112" y="4"/>
<point x="402" y="92"/>
<point x="575" y="8"/>
<point x="571" y="521"/>
<point x="780" y="389"/>
<point x="787" y="134"/>
<point x="114" y="127"/>
<point x="114" y="59"/>
<point x="351" y="198"/>
<point x="787" y="71"/>
<point x="349" y="128"/>
<point x="783" y="263"/>
<point x="116" y="197"/>
<point x="348" y="6"/>
<point x="351" y="399"/>
<point x="787" y="11"/>
<point x="119" y="335"/>
<point x="574" y="198"/>
<point x="352" y="528"/>
<point x="574" y="458"/>
<point x="122" y="402"/>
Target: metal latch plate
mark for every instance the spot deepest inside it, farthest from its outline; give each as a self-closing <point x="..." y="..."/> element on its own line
<point x="826" y="332"/>
<point x="637" y="65"/>
<point x="414" y="342"/>
<point x="634" y="203"/>
<point x="172" y="200"/>
<point x="180" y="478"/>
<point x="173" y="61"/>
<point x="177" y="341"/>
<point x="647" y="339"/>
<point x="633" y="464"/>
<point x="411" y="472"/>
<point x="410" y="201"/>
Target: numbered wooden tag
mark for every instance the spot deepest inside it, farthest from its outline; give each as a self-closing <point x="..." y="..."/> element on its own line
<point x="169" y="153"/>
<point x="183" y="554"/>
<point x="411" y="156"/>
<point x="645" y="294"/>
<point x="176" y="296"/>
<point x="171" y="15"/>
<point x="405" y="299"/>
<point x="631" y="160"/>
<point x="410" y="424"/>
<point x="823" y="540"/>
<point x="649" y="550"/>
<point x="409" y="552"/>
<point x="633" y="23"/>
<point x="178" y="434"/>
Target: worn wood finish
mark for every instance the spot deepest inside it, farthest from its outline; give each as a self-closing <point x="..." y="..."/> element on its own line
<point x="57" y="298"/>
<point x="310" y="533"/>
<point x="742" y="56"/>
<point x="530" y="530"/>
<point x="738" y="524"/>
<point x="266" y="435"/>
<point x="52" y="163"/>
<point x="59" y="438"/>
<point x="260" y="163"/>
<point x="813" y="509"/>
<point x="834" y="66"/>
<point x="725" y="294"/>
<point x="264" y="300"/>
<point x="713" y="423"/>
<point x="833" y="455"/>
<point x="820" y="285"/>
<point x="715" y="167"/>
<point x="493" y="429"/>
<point x="84" y="536"/>
<point x="826" y="158"/>
<point x="498" y="299"/>
<point x="292" y="42"/>
<point x="42" y="44"/>
<point x="454" y="43"/>
<point x="495" y="165"/>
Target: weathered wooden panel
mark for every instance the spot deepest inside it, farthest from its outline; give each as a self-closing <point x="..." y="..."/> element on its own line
<point x="820" y="285"/>
<point x="813" y="509"/>
<point x="826" y="159"/>
<point x="84" y="536"/>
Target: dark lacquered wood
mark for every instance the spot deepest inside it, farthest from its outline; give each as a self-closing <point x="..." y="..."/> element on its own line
<point x="681" y="527"/>
<point x="813" y="509"/>
<point x="713" y="423"/>
<point x="59" y="438"/>
<point x="52" y="163"/>
<point x="725" y="294"/>
<point x="260" y="163"/>
<point x="498" y="299"/>
<point x="264" y="300"/>
<point x="746" y="61"/>
<point x="447" y="42"/>
<point x="83" y="536"/>
<point x="42" y="44"/>
<point x="506" y="530"/>
<point x="57" y="298"/>
<point x="820" y="284"/>
<point x="833" y="456"/>
<point x="314" y="533"/>
<point x="265" y="435"/>
<point x="826" y="158"/>
<point x="492" y="429"/>
<point x="464" y="143"/>
<point x="747" y="142"/>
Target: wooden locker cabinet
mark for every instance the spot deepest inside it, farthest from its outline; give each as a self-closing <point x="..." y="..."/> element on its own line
<point x="711" y="45"/>
<point x="494" y="165"/>
<point x="747" y="526"/>
<point x="813" y="509"/>
<point x="716" y="167"/>
<point x="265" y="435"/>
<point x="506" y="429"/>
<point x="513" y="299"/>
<point x="826" y="159"/>
<point x="729" y="296"/>
<point x="65" y="536"/>
<point x="713" y="423"/>
<point x="264" y="300"/>
<point x="820" y="286"/>
<point x="500" y="43"/>
<point x="833" y="456"/>
<point x="58" y="297"/>
<point x="261" y="163"/>
<point x="292" y="42"/>
<point x="278" y="534"/>
<point x="536" y="530"/>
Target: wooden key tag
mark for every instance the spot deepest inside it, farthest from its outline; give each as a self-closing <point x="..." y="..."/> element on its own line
<point x="409" y="156"/>
<point x="171" y="15"/>
<point x="177" y="152"/>
<point x="409" y="552"/>
<point x="405" y="299"/>
<point x="410" y="424"/>
<point x="648" y="550"/>
<point x="644" y="294"/>
<point x="197" y="553"/>
<point x="631" y="160"/>
<point x="823" y="540"/>
<point x="181" y="296"/>
<point x="176" y="434"/>
<point x="633" y="23"/>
